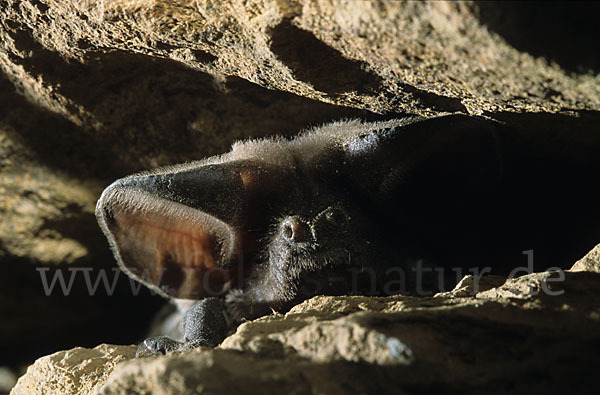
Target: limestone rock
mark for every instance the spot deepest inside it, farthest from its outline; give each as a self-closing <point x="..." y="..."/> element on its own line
<point x="532" y="333"/>
<point x="590" y="262"/>
<point x="520" y="341"/>
<point x="76" y="371"/>
<point x="391" y="56"/>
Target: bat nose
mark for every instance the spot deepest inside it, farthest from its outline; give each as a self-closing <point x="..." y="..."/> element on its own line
<point x="295" y="230"/>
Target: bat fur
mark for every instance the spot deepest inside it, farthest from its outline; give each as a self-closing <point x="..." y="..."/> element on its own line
<point x="351" y="207"/>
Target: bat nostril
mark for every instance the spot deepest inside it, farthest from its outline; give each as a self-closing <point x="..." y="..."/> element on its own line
<point x="295" y="230"/>
<point x="288" y="231"/>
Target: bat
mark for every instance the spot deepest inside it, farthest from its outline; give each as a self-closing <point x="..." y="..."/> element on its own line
<point x="398" y="206"/>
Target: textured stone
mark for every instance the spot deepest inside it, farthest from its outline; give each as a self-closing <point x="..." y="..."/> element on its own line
<point x="76" y="371"/>
<point x="590" y="262"/>
<point x="513" y="337"/>
<point x="520" y="341"/>
<point x="389" y="56"/>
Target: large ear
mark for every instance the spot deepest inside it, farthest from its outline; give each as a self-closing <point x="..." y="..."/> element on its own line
<point x="447" y="153"/>
<point x="181" y="230"/>
<point x="429" y="181"/>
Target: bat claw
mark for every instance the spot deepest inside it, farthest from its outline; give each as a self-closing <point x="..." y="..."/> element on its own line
<point x="159" y="345"/>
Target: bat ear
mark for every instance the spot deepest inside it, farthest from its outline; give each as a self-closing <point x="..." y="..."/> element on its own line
<point x="179" y="230"/>
<point x="425" y="158"/>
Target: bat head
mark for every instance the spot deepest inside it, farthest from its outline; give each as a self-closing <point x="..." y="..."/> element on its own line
<point x="278" y="211"/>
<point x="198" y="229"/>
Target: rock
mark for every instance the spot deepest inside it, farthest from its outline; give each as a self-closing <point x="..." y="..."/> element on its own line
<point x="329" y="340"/>
<point x="590" y="262"/>
<point x="520" y="341"/>
<point x="513" y="337"/>
<point x="75" y="371"/>
<point x="402" y="57"/>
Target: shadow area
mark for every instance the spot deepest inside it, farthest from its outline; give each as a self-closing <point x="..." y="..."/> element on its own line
<point x="536" y="190"/>
<point x="137" y="112"/>
<point x="565" y="32"/>
<point x="316" y="63"/>
<point x="126" y="113"/>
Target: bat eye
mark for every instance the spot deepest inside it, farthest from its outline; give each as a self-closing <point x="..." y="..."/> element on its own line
<point x="294" y="230"/>
<point x="337" y="217"/>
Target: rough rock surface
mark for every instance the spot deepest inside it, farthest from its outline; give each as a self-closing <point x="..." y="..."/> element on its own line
<point x="410" y="56"/>
<point x="93" y="90"/>
<point x="590" y="262"/>
<point x="76" y="371"/>
<point x="534" y="333"/>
